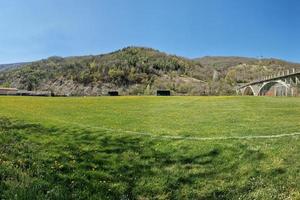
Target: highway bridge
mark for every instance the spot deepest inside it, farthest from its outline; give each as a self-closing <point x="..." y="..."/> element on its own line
<point x="285" y="83"/>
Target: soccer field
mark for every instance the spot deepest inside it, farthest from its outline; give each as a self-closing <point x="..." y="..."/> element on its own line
<point x="150" y="148"/>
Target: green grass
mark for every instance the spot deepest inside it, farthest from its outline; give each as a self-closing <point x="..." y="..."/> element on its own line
<point x="96" y="148"/>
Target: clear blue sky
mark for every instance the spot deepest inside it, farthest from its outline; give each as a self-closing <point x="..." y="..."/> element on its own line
<point x="35" y="29"/>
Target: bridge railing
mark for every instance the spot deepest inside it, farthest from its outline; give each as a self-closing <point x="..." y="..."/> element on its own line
<point x="280" y="74"/>
<point x="277" y="75"/>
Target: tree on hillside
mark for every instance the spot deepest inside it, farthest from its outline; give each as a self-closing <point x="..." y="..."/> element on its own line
<point x="231" y="77"/>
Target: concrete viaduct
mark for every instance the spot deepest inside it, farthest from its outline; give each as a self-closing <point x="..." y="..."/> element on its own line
<point x="283" y="84"/>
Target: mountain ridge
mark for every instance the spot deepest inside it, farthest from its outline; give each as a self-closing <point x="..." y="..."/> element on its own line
<point x="12" y="65"/>
<point x="140" y="71"/>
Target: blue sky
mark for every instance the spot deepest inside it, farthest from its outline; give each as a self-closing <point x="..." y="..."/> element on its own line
<point x="35" y="29"/>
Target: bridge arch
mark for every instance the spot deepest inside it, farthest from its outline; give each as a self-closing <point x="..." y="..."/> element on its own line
<point x="274" y="88"/>
<point x="248" y="91"/>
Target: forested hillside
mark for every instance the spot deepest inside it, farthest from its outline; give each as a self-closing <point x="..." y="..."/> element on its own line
<point x="241" y="69"/>
<point x="140" y="71"/>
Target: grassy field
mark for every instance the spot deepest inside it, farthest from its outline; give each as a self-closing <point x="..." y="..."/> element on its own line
<point x="149" y="148"/>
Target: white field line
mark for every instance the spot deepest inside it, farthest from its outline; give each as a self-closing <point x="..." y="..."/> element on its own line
<point x="172" y="137"/>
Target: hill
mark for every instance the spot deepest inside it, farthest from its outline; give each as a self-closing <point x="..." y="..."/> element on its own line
<point x="11" y="66"/>
<point x="140" y="71"/>
<point x="223" y="61"/>
<point x="238" y="70"/>
<point x="131" y="70"/>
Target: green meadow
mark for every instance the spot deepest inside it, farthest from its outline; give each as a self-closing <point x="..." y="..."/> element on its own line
<point x="150" y="148"/>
